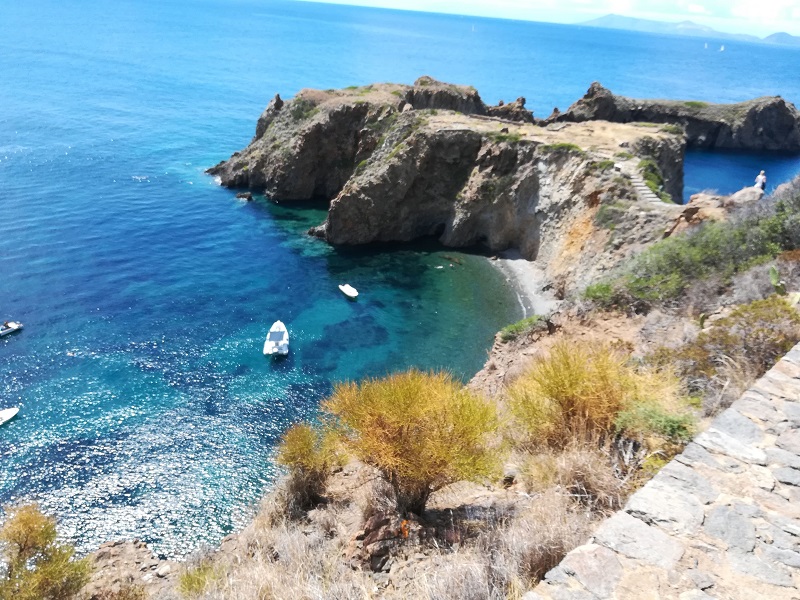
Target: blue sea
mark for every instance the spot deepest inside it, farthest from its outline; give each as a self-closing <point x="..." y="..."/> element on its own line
<point x="147" y="408"/>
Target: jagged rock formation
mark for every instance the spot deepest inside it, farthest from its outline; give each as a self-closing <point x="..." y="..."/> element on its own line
<point x="719" y="521"/>
<point x="768" y="123"/>
<point x="401" y="162"/>
<point x="309" y="146"/>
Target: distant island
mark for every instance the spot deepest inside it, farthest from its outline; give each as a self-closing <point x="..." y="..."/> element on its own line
<point x="688" y="28"/>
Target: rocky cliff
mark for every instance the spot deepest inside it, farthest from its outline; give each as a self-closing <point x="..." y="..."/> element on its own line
<point x="768" y="123"/>
<point x="398" y="163"/>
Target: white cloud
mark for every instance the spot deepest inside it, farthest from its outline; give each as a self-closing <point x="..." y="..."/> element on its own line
<point x="696" y="9"/>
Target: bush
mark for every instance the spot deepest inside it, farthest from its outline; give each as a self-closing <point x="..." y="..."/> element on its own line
<point x="35" y="566"/>
<point x="651" y="173"/>
<point x="696" y="104"/>
<point x="753" y="337"/>
<point x="643" y="420"/>
<point x="666" y="270"/>
<point x="302" y="109"/>
<point x="195" y="579"/>
<point x="127" y="592"/>
<point x="675" y="129"/>
<point x="578" y="391"/>
<point x="310" y="455"/>
<point x="421" y="430"/>
<point x="523" y="327"/>
<point x="564" y="147"/>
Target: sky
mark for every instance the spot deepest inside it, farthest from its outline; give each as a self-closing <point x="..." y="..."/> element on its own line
<point x="756" y="17"/>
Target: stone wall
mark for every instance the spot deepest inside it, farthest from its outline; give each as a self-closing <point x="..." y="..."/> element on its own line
<point x="722" y="520"/>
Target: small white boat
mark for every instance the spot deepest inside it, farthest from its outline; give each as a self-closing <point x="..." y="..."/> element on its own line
<point x="349" y="291"/>
<point x="277" y="341"/>
<point x="8" y="414"/>
<point x="9" y="327"/>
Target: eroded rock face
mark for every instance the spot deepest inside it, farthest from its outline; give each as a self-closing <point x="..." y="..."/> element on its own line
<point x="398" y="163"/>
<point x="309" y="146"/>
<point x="768" y="123"/>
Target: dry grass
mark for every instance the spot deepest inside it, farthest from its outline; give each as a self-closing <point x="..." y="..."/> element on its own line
<point x="577" y="392"/>
<point x="584" y="473"/>
<point x="507" y="560"/>
<point x="727" y="357"/>
<point x="280" y="559"/>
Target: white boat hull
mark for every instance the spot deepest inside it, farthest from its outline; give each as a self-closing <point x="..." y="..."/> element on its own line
<point x="349" y="291"/>
<point x="8" y="414"/>
<point x="10" y="328"/>
<point x="277" y="342"/>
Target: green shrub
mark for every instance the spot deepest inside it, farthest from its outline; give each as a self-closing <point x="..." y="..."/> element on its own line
<point x="664" y="271"/>
<point x="195" y="579"/>
<point x="651" y="173"/>
<point x="643" y="420"/>
<point x="421" y="430"/>
<point x="604" y="165"/>
<point x="602" y="293"/>
<point x="496" y="136"/>
<point x="695" y="104"/>
<point x="675" y="129"/>
<point x="523" y="327"/>
<point x="34" y="566"/>
<point x="562" y="147"/>
<point x="302" y="109"/>
<point x="623" y="155"/>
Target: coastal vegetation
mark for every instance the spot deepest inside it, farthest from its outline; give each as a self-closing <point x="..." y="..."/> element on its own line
<point x="522" y="327"/>
<point x="35" y="566"/>
<point x="593" y="393"/>
<point x="708" y="257"/>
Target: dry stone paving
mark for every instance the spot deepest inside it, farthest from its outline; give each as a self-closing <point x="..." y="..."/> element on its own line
<point x="722" y="520"/>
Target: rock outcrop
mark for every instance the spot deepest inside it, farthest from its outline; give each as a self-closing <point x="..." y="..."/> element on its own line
<point x="309" y="146"/>
<point x="120" y="565"/>
<point x="768" y="123"/>
<point x="397" y="163"/>
<point x="704" y="207"/>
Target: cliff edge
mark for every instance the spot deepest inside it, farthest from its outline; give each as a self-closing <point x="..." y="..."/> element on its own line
<point x="768" y="123"/>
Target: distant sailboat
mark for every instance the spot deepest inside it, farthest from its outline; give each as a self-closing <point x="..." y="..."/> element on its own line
<point x="706" y="45"/>
<point x="722" y="48"/>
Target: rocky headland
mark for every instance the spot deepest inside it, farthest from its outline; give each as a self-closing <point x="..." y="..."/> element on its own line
<point x="396" y="163"/>
<point x="768" y="123"/>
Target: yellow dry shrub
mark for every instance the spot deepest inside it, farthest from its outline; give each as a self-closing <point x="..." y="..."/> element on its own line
<point x="34" y="566"/>
<point x="579" y="390"/>
<point x="310" y="454"/>
<point x="421" y="430"/>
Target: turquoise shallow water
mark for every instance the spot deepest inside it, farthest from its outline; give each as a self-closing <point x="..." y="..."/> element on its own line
<point x="146" y="290"/>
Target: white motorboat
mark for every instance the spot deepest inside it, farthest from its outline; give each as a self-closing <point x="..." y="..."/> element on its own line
<point x="9" y="327"/>
<point x="349" y="291"/>
<point x="277" y="341"/>
<point x="8" y="414"/>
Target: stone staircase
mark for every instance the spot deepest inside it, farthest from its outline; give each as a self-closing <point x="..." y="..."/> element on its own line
<point x="721" y="520"/>
<point x="644" y="193"/>
<point x="627" y="168"/>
